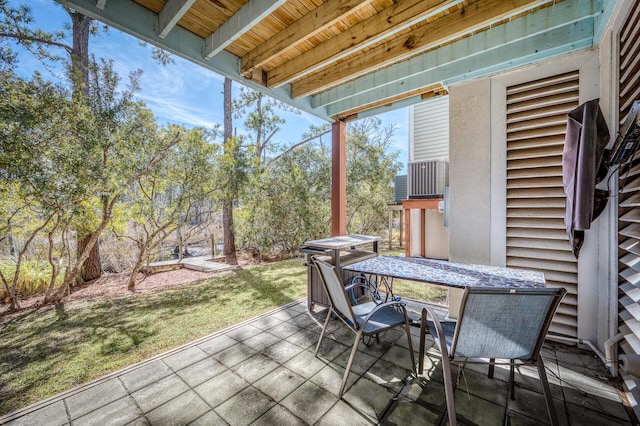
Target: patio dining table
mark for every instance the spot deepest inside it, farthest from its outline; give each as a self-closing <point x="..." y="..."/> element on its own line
<point x="442" y="272"/>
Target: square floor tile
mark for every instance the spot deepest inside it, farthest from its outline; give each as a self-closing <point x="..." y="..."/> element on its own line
<point x="145" y="375"/>
<point x="330" y="378"/>
<point x="266" y="322"/>
<point x="184" y="358"/>
<point x="278" y="415"/>
<point x="234" y="354"/>
<point x="408" y="413"/>
<point x="344" y="414"/>
<point x="388" y="375"/>
<point x="279" y="383"/>
<point x="261" y="341"/>
<point x="220" y="388"/>
<point x="370" y="398"/>
<point x="298" y="402"/>
<point x="255" y="367"/>
<point x="243" y="332"/>
<point x="282" y="351"/>
<point x="217" y="344"/>
<point x="245" y="407"/>
<point x="54" y="415"/>
<point x="305" y="364"/>
<point x="181" y="410"/>
<point x="304" y="338"/>
<point x="210" y="418"/>
<point x="95" y="397"/>
<point x="159" y="392"/>
<point x="201" y="371"/>
<point x="284" y="330"/>
<point x="120" y="412"/>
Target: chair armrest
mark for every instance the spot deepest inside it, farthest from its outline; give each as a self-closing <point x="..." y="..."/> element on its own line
<point x="375" y="310"/>
<point x="441" y="340"/>
<point x="362" y="282"/>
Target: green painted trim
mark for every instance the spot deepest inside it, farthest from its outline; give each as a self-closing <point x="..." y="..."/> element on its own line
<point x="534" y="24"/>
<point x="560" y="41"/>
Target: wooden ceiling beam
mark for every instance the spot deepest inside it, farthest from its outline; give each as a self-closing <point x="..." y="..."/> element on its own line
<point x="397" y="17"/>
<point x="242" y="21"/>
<point x="304" y="28"/>
<point x="473" y="16"/>
<point x="170" y="14"/>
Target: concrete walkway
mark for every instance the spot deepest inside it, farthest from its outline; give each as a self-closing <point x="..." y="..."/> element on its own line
<point x="263" y="372"/>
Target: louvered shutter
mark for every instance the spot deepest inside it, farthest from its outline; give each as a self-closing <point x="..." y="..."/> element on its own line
<point x="629" y="197"/>
<point x="536" y="236"/>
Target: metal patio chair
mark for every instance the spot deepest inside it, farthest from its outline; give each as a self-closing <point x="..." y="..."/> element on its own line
<point x="368" y="318"/>
<point x="497" y="326"/>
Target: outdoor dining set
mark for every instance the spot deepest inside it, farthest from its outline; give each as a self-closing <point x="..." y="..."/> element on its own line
<point x="502" y="318"/>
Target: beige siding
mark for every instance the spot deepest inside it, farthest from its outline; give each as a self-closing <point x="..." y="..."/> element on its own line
<point x="431" y="129"/>
<point x="536" y="237"/>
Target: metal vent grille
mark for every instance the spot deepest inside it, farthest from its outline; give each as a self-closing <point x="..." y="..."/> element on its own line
<point x="428" y="178"/>
<point x="400" y="188"/>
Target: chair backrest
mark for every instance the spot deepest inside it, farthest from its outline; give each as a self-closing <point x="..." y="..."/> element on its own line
<point x="335" y="289"/>
<point x="504" y="323"/>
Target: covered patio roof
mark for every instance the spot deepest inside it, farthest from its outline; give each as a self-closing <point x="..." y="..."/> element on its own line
<point x="347" y="59"/>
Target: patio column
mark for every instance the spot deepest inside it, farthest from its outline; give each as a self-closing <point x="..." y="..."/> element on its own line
<point x="338" y="178"/>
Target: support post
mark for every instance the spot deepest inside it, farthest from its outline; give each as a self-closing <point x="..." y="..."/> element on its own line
<point x="338" y="178"/>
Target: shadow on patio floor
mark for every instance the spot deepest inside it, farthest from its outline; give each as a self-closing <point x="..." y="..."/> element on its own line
<point x="263" y="372"/>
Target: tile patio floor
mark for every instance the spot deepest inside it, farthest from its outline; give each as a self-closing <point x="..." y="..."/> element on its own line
<point x="263" y="372"/>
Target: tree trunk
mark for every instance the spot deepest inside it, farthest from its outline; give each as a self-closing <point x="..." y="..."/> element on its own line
<point x="229" y="249"/>
<point x="81" y="25"/>
<point x="92" y="268"/>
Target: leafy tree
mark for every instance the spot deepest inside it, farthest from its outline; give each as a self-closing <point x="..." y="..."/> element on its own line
<point x="16" y="25"/>
<point x="39" y="126"/>
<point x="288" y="202"/>
<point x="261" y="119"/>
<point x="177" y="192"/>
<point x="122" y="144"/>
<point x="370" y="173"/>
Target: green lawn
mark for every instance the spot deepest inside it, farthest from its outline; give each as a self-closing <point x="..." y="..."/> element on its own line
<point x="58" y="348"/>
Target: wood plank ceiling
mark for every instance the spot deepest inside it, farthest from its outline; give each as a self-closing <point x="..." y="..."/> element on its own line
<point x="344" y="59"/>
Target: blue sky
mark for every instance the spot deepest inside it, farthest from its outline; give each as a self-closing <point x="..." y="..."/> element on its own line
<point x="182" y="92"/>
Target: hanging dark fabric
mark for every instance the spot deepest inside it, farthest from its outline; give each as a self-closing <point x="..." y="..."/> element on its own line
<point x="583" y="166"/>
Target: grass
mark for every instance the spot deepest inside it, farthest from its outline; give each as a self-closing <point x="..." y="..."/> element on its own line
<point x="34" y="276"/>
<point x="57" y="348"/>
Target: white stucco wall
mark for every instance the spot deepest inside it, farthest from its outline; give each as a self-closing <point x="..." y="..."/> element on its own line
<point x="477" y="181"/>
<point x="470" y="172"/>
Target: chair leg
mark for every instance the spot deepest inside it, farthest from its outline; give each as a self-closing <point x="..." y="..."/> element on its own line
<point x="413" y="358"/>
<point x="448" y="390"/>
<point x="546" y="391"/>
<point x="350" y="363"/>
<point x="324" y="327"/>
<point x="512" y="380"/>
<point x="423" y="331"/>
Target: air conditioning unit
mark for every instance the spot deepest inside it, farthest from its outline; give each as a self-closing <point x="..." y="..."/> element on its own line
<point x="399" y="188"/>
<point x="427" y="179"/>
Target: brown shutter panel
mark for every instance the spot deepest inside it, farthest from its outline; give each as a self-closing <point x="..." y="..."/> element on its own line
<point x="629" y="196"/>
<point x="536" y="236"/>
